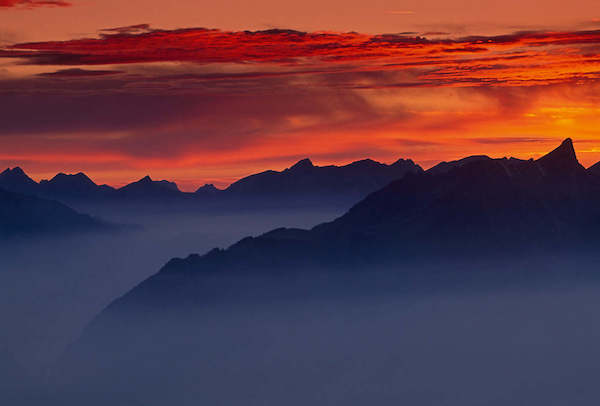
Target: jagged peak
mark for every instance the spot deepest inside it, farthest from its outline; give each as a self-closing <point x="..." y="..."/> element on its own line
<point x="404" y="162"/>
<point x="562" y="157"/>
<point x="16" y="174"/>
<point x="207" y="187"/>
<point x="14" y="171"/>
<point x="400" y="161"/>
<point x="302" y="164"/>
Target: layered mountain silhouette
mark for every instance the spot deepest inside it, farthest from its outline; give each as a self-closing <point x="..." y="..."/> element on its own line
<point x="25" y="215"/>
<point x="300" y="183"/>
<point x="80" y="187"/>
<point x="479" y="208"/>
<point x="232" y="317"/>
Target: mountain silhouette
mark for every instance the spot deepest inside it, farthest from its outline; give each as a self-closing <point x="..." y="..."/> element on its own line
<point x="208" y="190"/>
<point x="24" y="215"/>
<point x="305" y="179"/>
<point x="148" y="188"/>
<point x="301" y="184"/>
<point x="444" y="166"/>
<point x="480" y="208"/>
<point x="480" y="224"/>
<point x="16" y="180"/>
<point x="74" y="186"/>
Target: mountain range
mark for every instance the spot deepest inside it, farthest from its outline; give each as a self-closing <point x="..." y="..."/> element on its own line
<point x="303" y="305"/>
<point x="474" y="208"/>
<point x="301" y="182"/>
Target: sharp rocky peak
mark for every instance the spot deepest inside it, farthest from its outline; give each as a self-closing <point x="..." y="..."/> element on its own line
<point x="302" y="164"/>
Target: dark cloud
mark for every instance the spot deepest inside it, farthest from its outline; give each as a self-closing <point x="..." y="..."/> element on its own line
<point x="79" y="73"/>
<point x="34" y="3"/>
<point x="157" y="122"/>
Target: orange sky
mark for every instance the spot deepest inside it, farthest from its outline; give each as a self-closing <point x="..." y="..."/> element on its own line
<point x="202" y="105"/>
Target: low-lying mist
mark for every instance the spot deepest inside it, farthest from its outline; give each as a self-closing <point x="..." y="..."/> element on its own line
<point x="334" y="338"/>
<point x="51" y="287"/>
<point x="497" y="333"/>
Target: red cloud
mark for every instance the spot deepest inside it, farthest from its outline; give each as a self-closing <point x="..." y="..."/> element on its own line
<point x="34" y="3"/>
<point x="513" y="59"/>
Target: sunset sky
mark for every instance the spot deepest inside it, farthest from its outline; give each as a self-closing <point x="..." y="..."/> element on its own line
<point x="200" y="92"/>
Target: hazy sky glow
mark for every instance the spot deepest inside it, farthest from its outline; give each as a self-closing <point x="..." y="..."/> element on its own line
<point x="212" y="104"/>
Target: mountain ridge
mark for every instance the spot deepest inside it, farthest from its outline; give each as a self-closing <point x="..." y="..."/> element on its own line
<point x="476" y="208"/>
<point x="302" y="180"/>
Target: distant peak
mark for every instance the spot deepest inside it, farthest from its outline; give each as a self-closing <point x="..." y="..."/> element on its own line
<point x="14" y="171"/>
<point x="366" y="161"/>
<point x="79" y="178"/>
<point x="403" y="161"/>
<point x="207" y="188"/>
<point x="146" y="179"/>
<point x="79" y="175"/>
<point x="302" y="164"/>
<point x="564" y="155"/>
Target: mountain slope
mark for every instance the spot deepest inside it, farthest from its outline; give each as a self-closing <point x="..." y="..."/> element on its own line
<point x="22" y="215"/>
<point x="595" y="169"/>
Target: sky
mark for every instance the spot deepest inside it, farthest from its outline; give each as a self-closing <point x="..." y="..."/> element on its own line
<point x="200" y="92"/>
